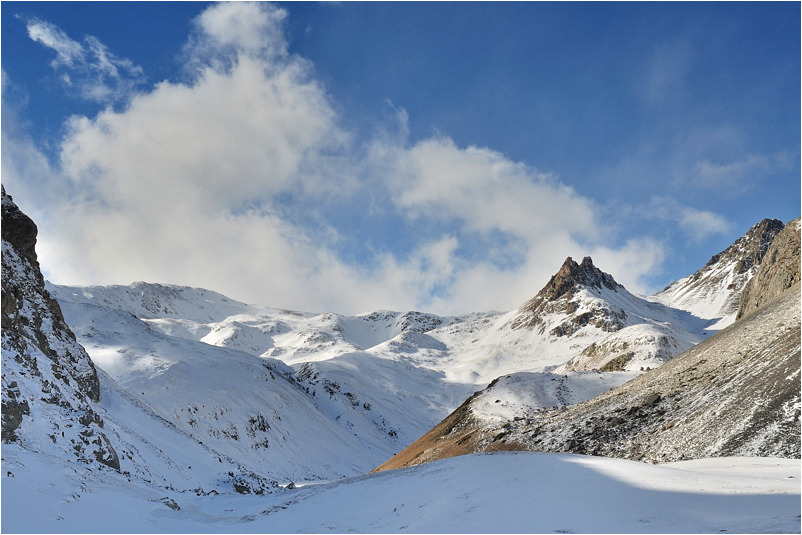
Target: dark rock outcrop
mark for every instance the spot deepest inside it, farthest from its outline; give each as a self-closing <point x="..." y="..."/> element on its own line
<point x="47" y="375"/>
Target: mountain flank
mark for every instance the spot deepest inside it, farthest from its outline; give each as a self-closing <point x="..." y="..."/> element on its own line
<point x="736" y="393"/>
<point x="778" y="271"/>
<point x="730" y="270"/>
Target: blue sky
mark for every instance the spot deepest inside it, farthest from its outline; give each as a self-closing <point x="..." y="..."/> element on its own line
<point x="439" y="156"/>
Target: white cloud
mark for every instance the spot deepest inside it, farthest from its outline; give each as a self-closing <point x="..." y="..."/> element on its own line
<point x="87" y="70"/>
<point x="224" y="181"/>
<point x="701" y="224"/>
<point x="698" y="225"/>
<point x="246" y="27"/>
<point x="68" y="52"/>
<point x="487" y="192"/>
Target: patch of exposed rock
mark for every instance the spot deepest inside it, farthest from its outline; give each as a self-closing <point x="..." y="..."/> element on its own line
<point x="49" y="382"/>
<point x="778" y="271"/>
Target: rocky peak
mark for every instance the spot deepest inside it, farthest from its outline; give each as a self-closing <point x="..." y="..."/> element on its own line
<point x="714" y="291"/>
<point x="558" y="294"/>
<point x="778" y="271"/>
<point x="572" y="275"/>
<point x="18" y="229"/>
<point x="748" y="250"/>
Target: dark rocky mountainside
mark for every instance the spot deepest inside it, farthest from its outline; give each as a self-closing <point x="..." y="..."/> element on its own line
<point x="778" y="271"/>
<point x="736" y="393"/>
<point x="732" y="268"/>
<point x="49" y="382"/>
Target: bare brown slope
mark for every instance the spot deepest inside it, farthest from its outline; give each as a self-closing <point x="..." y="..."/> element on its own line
<point x="458" y="434"/>
<point x="737" y="393"/>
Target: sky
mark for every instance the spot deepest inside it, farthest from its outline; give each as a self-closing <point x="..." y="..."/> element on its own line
<point x="349" y="157"/>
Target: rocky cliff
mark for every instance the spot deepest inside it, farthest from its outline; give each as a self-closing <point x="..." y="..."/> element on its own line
<point x="49" y="383"/>
<point x="779" y="270"/>
<point x="731" y="269"/>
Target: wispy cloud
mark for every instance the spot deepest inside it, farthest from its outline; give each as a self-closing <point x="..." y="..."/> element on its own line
<point x="87" y="69"/>
<point x="697" y="224"/>
<point x="740" y="175"/>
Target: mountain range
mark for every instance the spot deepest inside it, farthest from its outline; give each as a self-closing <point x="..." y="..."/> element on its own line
<point x="174" y="391"/>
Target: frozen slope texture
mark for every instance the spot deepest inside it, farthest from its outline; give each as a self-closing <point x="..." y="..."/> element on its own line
<point x="502" y="493"/>
<point x="714" y="290"/>
<point x="240" y="406"/>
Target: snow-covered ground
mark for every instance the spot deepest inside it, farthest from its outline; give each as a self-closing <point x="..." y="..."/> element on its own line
<point x="521" y="395"/>
<point x="498" y="493"/>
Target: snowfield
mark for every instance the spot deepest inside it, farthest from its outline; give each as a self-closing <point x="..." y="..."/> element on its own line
<point x="482" y="493"/>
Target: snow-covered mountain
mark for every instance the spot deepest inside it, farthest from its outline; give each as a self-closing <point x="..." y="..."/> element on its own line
<point x="714" y="291"/>
<point x="736" y="393"/>
<point x="162" y="408"/>
<point x="381" y="379"/>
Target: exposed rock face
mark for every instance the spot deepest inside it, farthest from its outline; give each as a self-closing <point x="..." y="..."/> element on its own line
<point x="779" y="270"/>
<point x="49" y="382"/>
<point x="730" y="269"/>
<point x="558" y="297"/>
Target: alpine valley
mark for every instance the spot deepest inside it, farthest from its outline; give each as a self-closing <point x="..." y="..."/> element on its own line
<point x="161" y="408"/>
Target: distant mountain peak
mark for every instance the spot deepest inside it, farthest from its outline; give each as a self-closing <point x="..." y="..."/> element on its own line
<point x="749" y="249"/>
<point x="572" y="275"/>
<point x="557" y="295"/>
<point x="714" y="290"/>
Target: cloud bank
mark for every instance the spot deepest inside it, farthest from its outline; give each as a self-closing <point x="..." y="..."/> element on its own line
<point x="239" y="179"/>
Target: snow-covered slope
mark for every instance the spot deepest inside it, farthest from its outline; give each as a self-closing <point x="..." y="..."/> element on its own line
<point x="714" y="291"/>
<point x="241" y="406"/>
<point x="372" y="383"/>
<point x="499" y="493"/>
<point x="736" y="393"/>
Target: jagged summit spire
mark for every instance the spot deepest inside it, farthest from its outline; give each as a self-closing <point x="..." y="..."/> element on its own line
<point x="572" y="275"/>
<point x="557" y="295"/>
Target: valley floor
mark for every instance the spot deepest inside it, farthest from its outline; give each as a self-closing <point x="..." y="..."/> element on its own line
<point x="500" y="492"/>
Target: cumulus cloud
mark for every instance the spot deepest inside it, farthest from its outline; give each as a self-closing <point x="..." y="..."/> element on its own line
<point x="242" y="28"/>
<point x="229" y="179"/>
<point x="88" y="70"/>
